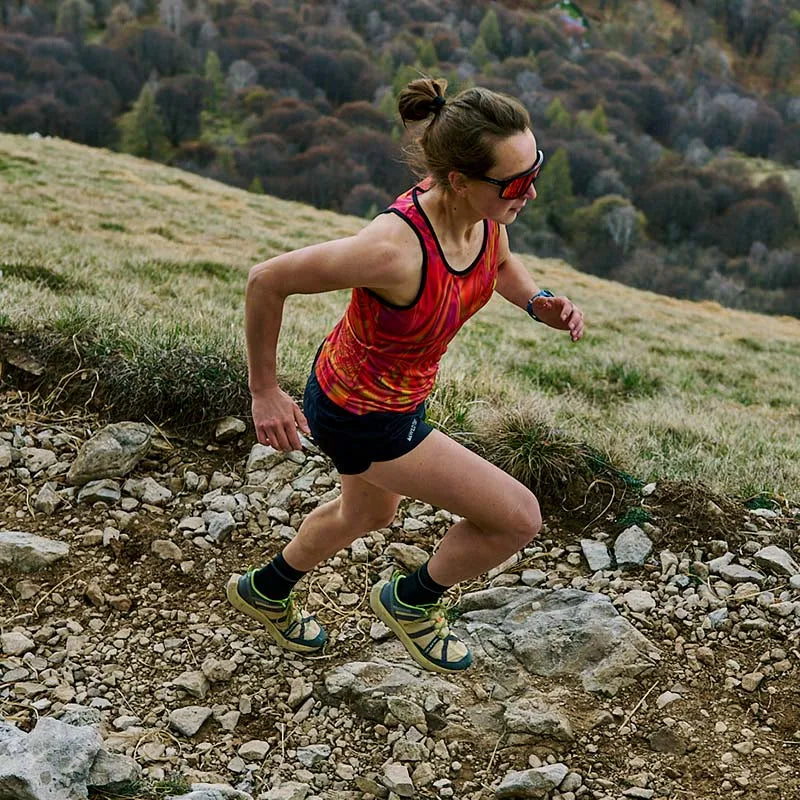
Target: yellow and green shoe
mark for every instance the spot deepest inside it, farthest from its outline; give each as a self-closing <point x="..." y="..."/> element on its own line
<point x="287" y="624"/>
<point x="423" y="630"/>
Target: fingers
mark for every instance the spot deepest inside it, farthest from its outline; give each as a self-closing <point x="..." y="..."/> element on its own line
<point x="301" y="421"/>
<point x="572" y="319"/>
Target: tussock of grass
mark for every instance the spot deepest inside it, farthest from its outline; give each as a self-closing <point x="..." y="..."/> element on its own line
<point x="547" y="460"/>
<point x="36" y="273"/>
<point x="160" y="378"/>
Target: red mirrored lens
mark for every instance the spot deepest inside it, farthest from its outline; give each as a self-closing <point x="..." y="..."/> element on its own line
<point x="519" y="186"/>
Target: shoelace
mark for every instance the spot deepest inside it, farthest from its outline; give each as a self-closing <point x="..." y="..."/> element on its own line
<point x="438" y="616"/>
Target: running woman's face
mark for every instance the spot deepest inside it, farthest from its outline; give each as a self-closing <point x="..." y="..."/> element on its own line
<point x="514" y="155"/>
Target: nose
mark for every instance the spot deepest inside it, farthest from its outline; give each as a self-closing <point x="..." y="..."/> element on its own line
<point x="531" y="193"/>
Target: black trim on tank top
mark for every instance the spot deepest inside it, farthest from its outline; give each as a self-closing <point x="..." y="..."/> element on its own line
<point x="423" y="276"/>
<point x="458" y="272"/>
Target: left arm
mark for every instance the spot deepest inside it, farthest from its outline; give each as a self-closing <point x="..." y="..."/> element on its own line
<point x="516" y="284"/>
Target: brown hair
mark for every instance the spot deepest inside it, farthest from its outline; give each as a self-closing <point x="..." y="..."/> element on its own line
<point x="462" y="134"/>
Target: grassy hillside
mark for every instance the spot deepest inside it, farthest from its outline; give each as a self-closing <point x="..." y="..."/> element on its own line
<point x="131" y="277"/>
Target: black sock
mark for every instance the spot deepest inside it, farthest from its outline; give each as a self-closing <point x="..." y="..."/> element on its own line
<point x="419" y="589"/>
<point x="277" y="579"/>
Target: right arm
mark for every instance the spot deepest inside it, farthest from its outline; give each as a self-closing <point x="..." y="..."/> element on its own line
<point x="372" y="258"/>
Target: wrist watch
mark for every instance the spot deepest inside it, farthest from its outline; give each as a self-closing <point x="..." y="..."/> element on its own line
<point x="529" y="307"/>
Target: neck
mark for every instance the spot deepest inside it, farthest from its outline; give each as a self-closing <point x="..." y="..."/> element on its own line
<point x="452" y="217"/>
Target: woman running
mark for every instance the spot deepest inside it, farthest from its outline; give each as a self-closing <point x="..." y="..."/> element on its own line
<point x="418" y="271"/>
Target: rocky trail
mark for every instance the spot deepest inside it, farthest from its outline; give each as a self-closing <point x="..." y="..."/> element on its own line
<point x="612" y="660"/>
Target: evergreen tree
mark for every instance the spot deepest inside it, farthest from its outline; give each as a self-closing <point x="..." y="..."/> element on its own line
<point x="216" y="81"/>
<point x="142" y="131"/>
<point x="74" y="19"/>
<point x="558" y="117"/>
<point x="555" y="199"/>
<point x="489" y="31"/>
<point x="480" y="52"/>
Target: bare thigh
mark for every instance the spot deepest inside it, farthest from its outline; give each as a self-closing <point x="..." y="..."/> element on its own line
<point x="446" y="474"/>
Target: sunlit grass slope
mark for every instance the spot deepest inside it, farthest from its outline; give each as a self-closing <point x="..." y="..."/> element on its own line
<point x="143" y="259"/>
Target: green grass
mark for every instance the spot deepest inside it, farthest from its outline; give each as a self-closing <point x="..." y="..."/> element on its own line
<point x="128" y="278"/>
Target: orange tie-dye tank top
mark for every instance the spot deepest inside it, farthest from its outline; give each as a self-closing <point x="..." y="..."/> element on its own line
<point x="383" y="357"/>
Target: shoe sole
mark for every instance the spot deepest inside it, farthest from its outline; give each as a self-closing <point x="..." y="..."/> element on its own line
<point x="240" y="604"/>
<point x="383" y="614"/>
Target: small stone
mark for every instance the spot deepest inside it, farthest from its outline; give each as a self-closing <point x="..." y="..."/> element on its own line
<point x="533" y="577"/>
<point x="189" y="720"/>
<point x="632" y="547"/>
<point x="167" y="550"/>
<point x="147" y="491"/>
<point x="666" y="698"/>
<point x="15" y="643"/>
<point x="229" y="428"/>
<point x="776" y="560"/>
<point x="254" y="750"/>
<point x="665" y="740"/>
<point x="639" y="601"/>
<point x="639" y="793"/>
<point x="736" y="573"/>
<point x="102" y="491"/>
<point x="290" y="790"/>
<point x="705" y="655"/>
<point x="313" y="754"/>
<point x="396" y="779"/>
<point x="194" y="682"/>
<point x="596" y="554"/>
<point x="751" y="681"/>
<point x="407" y="555"/>
<point x="47" y="501"/>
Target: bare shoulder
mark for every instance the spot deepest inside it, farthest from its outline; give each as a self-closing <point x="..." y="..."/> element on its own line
<point x="394" y="248"/>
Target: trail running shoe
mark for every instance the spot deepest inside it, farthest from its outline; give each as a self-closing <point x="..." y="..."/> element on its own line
<point x="287" y="624"/>
<point x="423" y="630"/>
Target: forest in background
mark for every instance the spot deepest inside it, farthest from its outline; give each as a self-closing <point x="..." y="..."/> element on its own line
<point x="654" y="116"/>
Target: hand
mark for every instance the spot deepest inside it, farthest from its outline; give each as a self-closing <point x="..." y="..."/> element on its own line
<point x="276" y="418"/>
<point x="561" y="313"/>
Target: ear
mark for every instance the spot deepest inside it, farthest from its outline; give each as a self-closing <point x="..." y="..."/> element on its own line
<point x="458" y="181"/>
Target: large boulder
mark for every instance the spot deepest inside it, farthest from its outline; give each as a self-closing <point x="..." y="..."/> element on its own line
<point x="565" y="632"/>
<point x="374" y="688"/>
<point x="111" y="453"/>
<point x="52" y="762"/>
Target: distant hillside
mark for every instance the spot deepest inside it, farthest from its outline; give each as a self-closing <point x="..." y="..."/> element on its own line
<point x="124" y="280"/>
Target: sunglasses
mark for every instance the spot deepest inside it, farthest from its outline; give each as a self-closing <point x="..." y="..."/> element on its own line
<point x="517" y="186"/>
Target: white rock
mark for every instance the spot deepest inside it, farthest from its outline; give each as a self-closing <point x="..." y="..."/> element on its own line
<point x="229" y="428"/>
<point x="15" y="643"/>
<point x="254" y="750"/>
<point x="189" y="720"/>
<point x="639" y="601"/>
<point x="776" y="560"/>
<point x="27" y="552"/>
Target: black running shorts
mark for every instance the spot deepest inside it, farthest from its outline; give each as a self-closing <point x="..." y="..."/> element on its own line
<point x="354" y="441"/>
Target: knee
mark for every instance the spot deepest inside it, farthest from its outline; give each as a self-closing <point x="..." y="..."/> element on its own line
<point x="525" y="520"/>
<point x="371" y="519"/>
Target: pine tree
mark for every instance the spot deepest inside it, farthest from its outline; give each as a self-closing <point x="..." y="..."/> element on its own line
<point x="557" y="116"/>
<point x="142" y="131"/>
<point x="489" y="31"/>
<point x="216" y="80"/>
<point x="555" y="199"/>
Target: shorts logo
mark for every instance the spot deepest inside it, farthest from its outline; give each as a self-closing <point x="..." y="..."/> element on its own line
<point x="411" y="431"/>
